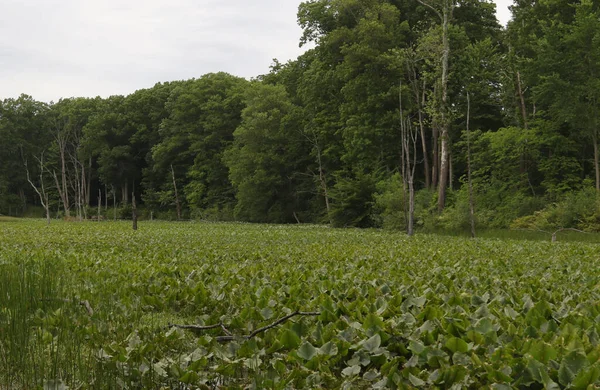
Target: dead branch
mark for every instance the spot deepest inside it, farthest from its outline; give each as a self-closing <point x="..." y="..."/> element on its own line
<point x="196" y="327"/>
<point x="553" y="234"/>
<point x="230" y="337"/>
<point x="85" y="304"/>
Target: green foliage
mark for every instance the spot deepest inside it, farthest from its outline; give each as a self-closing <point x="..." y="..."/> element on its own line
<point x="579" y="210"/>
<point x="353" y="200"/>
<point x="390" y="205"/>
<point x="265" y="157"/>
<point x="487" y="314"/>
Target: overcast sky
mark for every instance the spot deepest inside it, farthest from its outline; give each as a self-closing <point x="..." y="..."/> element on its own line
<point x="62" y="48"/>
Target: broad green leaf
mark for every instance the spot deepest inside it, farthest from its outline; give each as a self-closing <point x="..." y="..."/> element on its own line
<point x="455" y="344"/>
<point x="289" y="339"/>
<point x="570" y="366"/>
<point x="543" y="352"/>
<point x="328" y="349"/>
<point x="416" y="381"/>
<point x="586" y="378"/>
<point x="373" y="343"/>
<point x="351" y="371"/>
<point x="307" y="351"/>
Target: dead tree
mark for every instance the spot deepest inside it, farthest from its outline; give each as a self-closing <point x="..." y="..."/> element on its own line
<point x="99" y="204"/>
<point x="134" y="216"/>
<point x="446" y="8"/>
<point x="322" y="177"/>
<point x="177" y="204"/>
<point x="408" y="135"/>
<point x="41" y="191"/>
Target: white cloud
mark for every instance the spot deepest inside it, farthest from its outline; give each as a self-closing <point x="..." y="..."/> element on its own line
<point x="61" y="48"/>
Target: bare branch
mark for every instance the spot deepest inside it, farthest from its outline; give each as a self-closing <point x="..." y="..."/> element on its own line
<point x="85" y="304"/>
<point x="231" y="337"/>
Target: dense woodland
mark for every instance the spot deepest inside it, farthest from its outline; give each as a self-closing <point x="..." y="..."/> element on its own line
<point x="395" y="97"/>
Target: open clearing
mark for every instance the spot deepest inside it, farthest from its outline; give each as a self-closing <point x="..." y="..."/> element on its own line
<point x="89" y="305"/>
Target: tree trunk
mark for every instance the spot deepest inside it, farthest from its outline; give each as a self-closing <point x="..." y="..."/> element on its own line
<point x="89" y="183"/>
<point x="63" y="171"/>
<point x="522" y="99"/>
<point x="125" y="192"/>
<point x="99" y="204"/>
<point x="177" y="204"/>
<point x="114" y="194"/>
<point x="436" y="157"/>
<point x="424" y="141"/>
<point x="323" y="181"/>
<point x="444" y="168"/>
<point x="42" y="190"/>
<point x="134" y="212"/>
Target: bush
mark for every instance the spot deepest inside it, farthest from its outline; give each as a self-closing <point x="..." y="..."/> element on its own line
<point x="390" y="207"/>
<point x="353" y="200"/>
<point x="579" y="210"/>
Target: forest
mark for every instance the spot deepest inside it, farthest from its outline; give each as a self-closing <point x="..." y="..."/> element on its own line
<point x="402" y="114"/>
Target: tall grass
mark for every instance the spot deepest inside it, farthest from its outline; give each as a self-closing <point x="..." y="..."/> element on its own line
<point x="42" y="329"/>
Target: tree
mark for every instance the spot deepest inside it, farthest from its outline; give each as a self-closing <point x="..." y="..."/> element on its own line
<point x="267" y="157"/>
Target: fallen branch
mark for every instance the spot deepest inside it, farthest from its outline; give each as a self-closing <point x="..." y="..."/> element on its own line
<point x="85" y="304"/>
<point x="561" y="229"/>
<point x="230" y="337"/>
<point x="553" y="234"/>
<point x="195" y="327"/>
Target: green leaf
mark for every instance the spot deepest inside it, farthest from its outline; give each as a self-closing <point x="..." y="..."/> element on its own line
<point x="543" y="352"/>
<point x="570" y="366"/>
<point x="328" y="349"/>
<point x="416" y="381"/>
<point x="586" y="377"/>
<point x="289" y="339"/>
<point x="307" y="351"/>
<point x="373" y="343"/>
<point x="455" y="344"/>
<point x="351" y="371"/>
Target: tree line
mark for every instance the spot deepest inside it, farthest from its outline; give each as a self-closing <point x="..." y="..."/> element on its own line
<point x="399" y="115"/>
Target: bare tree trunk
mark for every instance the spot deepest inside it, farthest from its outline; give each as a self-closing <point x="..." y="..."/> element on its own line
<point x="63" y="171"/>
<point x="177" y="204"/>
<point x="471" y="199"/>
<point x="105" y="198"/>
<point x="420" y="100"/>
<point x="444" y="169"/>
<point x="424" y="141"/>
<point x="42" y="190"/>
<point x="323" y="181"/>
<point x="99" y="204"/>
<point x="409" y="163"/>
<point x="89" y="183"/>
<point x="134" y="212"/>
<point x="436" y="157"/>
<point x="114" y="194"/>
<point x="125" y="192"/>
<point x="522" y="98"/>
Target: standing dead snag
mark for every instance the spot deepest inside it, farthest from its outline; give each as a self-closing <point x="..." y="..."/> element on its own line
<point x="177" y="204"/>
<point x="409" y="136"/>
<point x="42" y="190"/>
<point x="133" y="211"/>
<point x="446" y="8"/>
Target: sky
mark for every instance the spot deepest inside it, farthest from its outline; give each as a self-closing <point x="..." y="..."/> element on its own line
<point x="64" y="48"/>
